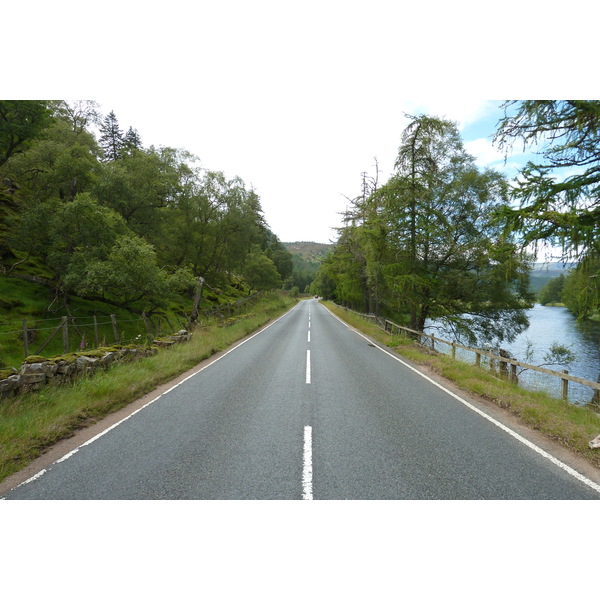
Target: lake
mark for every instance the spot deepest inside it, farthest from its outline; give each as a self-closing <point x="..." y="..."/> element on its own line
<point x="548" y="324"/>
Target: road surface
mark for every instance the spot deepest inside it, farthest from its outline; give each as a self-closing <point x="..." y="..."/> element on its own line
<point x="309" y="409"/>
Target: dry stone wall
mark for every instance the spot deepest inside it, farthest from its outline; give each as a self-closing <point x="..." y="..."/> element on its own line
<point x="37" y="372"/>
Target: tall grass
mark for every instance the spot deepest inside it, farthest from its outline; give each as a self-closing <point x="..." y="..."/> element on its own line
<point x="30" y="423"/>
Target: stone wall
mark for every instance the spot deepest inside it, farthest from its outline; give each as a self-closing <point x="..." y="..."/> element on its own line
<point x="37" y="372"/>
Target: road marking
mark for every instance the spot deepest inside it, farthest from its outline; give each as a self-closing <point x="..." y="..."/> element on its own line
<point x="510" y="432"/>
<point x="309" y="337"/>
<point x="307" y="484"/>
<point x="102" y="433"/>
<point x="308" y="366"/>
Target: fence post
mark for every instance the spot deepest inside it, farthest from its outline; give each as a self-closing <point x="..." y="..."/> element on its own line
<point x="477" y="359"/>
<point x="596" y="396"/>
<point x="565" y="386"/>
<point x="513" y="373"/>
<point x="503" y="366"/>
<point x="96" y="333"/>
<point x="65" y="334"/>
<point x="25" y="338"/>
<point x="148" y="328"/>
<point x="113" y="318"/>
<point x="454" y="350"/>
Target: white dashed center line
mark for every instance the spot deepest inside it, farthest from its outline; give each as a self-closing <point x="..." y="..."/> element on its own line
<point x="307" y="487"/>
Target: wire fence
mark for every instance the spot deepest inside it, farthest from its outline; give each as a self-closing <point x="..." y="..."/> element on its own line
<point x="54" y="336"/>
<point x="503" y="366"/>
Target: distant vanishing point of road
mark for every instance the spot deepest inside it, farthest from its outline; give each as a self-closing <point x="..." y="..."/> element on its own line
<point x="307" y="409"/>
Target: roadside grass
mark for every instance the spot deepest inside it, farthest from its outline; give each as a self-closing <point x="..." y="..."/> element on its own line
<point x="573" y="426"/>
<point x="30" y="423"/>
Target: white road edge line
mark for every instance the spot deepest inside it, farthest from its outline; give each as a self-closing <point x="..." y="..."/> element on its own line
<point x="514" y="434"/>
<point x="96" y="437"/>
<point x="307" y="484"/>
<point x="308" y="366"/>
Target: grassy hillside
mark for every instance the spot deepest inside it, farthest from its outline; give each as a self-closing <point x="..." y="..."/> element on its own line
<point x="309" y="251"/>
<point x="42" y="310"/>
<point x="306" y="259"/>
<point x="544" y="272"/>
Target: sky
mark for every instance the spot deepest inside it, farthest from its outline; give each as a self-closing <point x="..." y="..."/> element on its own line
<point x="295" y="99"/>
<point x="304" y="167"/>
<point x="298" y="99"/>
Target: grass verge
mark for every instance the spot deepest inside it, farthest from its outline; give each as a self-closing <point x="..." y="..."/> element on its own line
<point x="572" y="426"/>
<point x="30" y="423"/>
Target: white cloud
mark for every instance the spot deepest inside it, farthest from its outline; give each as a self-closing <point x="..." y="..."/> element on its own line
<point x="485" y="153"/>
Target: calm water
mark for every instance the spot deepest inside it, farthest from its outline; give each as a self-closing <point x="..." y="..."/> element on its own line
<point x="548" y="324"/>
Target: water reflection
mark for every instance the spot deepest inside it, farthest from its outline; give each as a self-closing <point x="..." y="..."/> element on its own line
<point x="548" y="324"/>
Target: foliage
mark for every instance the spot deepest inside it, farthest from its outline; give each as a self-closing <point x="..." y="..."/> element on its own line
<point x="552" y="292"/>
<point x="111" y="138"/>
<point x="559" y="193"/>
<point x="557" y="355"/>
<point x="260" y="272"/>
<point x="129" y="272"/>
<point x="427" y="244"/>
<point x="581" y="290"/>
<point x="110" y="218"/>
<point x="20" y="122"/>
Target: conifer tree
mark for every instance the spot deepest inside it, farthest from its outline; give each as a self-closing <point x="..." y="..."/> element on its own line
<point x="111" y="138"/>
<point x="132" y="141"/>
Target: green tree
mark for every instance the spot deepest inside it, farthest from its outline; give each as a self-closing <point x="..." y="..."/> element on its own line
<point x="581" y="289"/>
<point x="552" y="291"/>
<point x="60" y="163"/>
<point x="111" y="137"/>
<point x="558" y="193"/>
<point x="80" y="233"/>
<point x="458" y="266"/>
<point x="130" y="273"/>
<point x="21" y="121"/>
<point x="131" y="142"/>
<point x="139" y="187"/>
<point x="427" y="243"/>
<point x="260" y="272"/>
<point x="342" y="275"/>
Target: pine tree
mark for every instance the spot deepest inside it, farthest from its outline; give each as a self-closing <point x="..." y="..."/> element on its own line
<point x="132" y="141"/>
<point x="111" y="140"/>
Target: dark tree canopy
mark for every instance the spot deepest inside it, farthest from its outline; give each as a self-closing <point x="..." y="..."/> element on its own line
<point x="111" y="138"/>
<point x="20" y="123"/>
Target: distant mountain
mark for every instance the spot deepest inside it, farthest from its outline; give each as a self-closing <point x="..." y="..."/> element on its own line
<point x="545" y="269"/>
<point x="308" y="251"/>
<point x="543" y="272"/>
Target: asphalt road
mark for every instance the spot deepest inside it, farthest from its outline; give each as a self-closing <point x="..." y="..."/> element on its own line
<point x="307" y="409"/>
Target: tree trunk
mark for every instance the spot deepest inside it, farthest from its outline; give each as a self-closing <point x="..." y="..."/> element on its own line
<point x="197" y="297"/>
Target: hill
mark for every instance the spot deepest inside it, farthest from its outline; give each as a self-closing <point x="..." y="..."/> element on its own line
<point x="308" y="251"/>
<point x="543" y="272"/>
<point x="306" y="259"/>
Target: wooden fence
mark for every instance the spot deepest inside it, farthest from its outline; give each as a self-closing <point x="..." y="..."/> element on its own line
<point x="75" y="333"/>
<point x="506" y="366"/>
